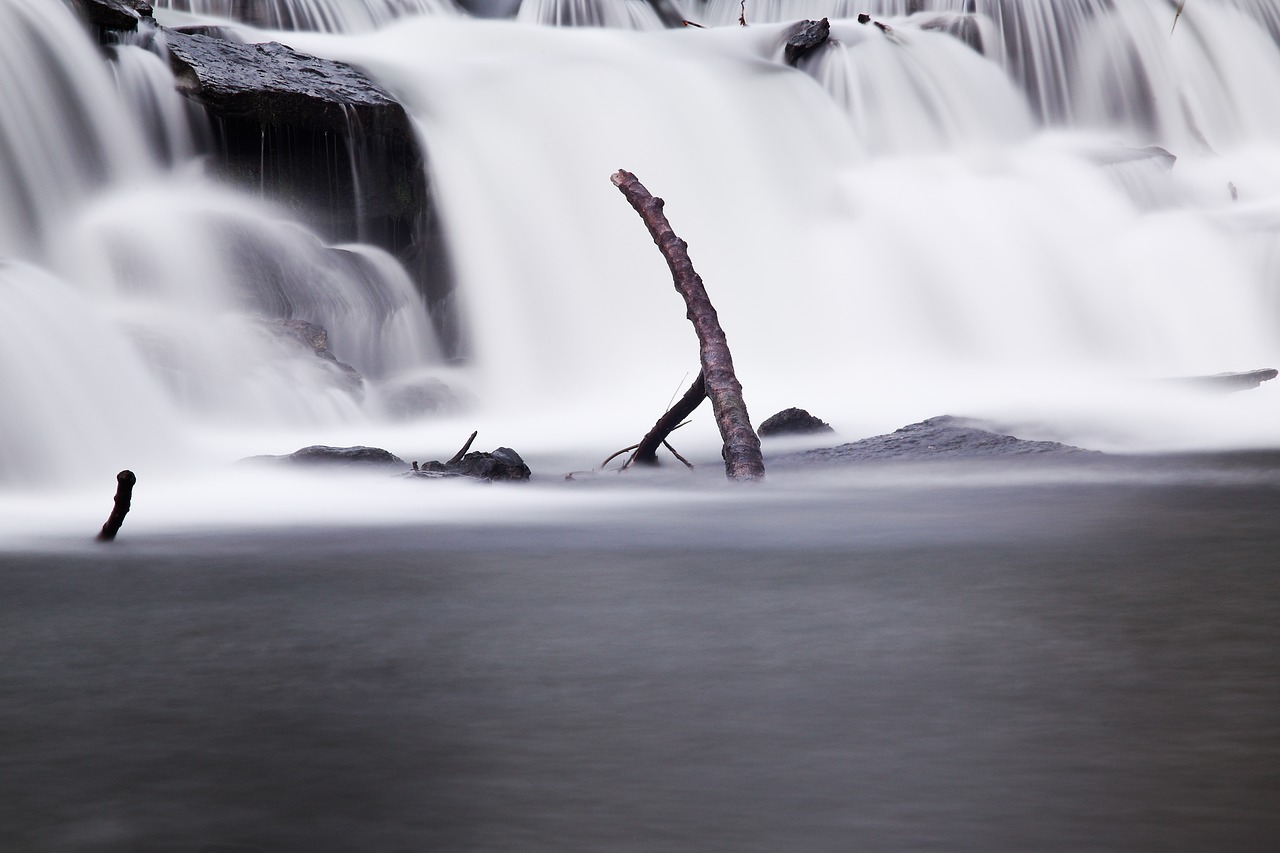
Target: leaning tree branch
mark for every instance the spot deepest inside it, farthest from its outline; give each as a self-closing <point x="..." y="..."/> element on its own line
<point x="647" y="450"/>
<point x="741" y="451"/>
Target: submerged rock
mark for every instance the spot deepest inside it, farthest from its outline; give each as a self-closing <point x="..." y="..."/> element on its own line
<point x="793" y="421"/>
<point x="316" y="338"/>
<point x="944" y="437"/>
<point x="337" y="457"/>
<point x="503" y="464"/>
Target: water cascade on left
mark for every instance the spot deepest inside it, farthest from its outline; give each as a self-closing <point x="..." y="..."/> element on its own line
<point x="147" y="309"/>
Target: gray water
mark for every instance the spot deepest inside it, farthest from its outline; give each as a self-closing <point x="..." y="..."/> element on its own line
<point x="934" y="664"/>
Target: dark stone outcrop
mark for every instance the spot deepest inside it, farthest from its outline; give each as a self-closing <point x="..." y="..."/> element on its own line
<point x="503" y="464"/>
<point x="793" y="422"/>
<point x="804" y="38"/>
<point x="325" y="142"/>
<point x="106" y="15"/>
<point x="337" y="457"/>
<point x="944" y="437"/>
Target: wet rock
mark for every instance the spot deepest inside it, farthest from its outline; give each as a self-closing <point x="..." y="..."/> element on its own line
<point x="278" y="86"/>
<point x="944" y="437"/>
<point x="337" y="457"/>
<point x="323" y="141"/>
<point x="793" y="422"/>
<point x="503" y="464"/>
<point x="108" y="14"/>
<point x="805" y="37"/>
<point x="316" y="339"/>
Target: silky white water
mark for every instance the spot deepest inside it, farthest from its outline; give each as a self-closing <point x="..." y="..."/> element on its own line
<point x="898" y="228"/>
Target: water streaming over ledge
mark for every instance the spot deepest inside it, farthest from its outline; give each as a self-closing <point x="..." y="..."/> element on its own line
<point x="908" y="223"/>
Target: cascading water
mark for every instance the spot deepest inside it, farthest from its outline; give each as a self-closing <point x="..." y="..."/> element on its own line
<point x="162" y="303"/>
<point x="905" y="233"/>
<point x="897" y="228"/>
<point x="617" y="14"/>
<point x="332" y="16"/>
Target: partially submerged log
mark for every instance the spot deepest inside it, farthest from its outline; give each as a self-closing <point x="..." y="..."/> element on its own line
<point x="741" y="451"/>
<point x="125" y="482"/>
<point x="647" y="450"/>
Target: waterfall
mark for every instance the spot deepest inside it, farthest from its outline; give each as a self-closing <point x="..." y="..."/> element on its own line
<point x="619" y="14"/>
<point x="905" y="224"/>
<point x="333" y="16"/>
<point x="890" y="213"/>
<point x="60" y="135"/>
<point x="144" y="303"/>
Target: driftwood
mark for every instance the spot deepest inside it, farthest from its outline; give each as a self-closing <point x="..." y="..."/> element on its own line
<point x="125" y="481"/>
<point x="646" y="452"/>
<point x="741" y="451"/>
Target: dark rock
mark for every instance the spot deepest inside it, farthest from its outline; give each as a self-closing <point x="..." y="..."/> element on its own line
<point x="793" y="422"/>
<point x="805" y="37"/>
<point x="276" y="85"/>
<point x="116" y="15"/>
<point x="337" y="457"/>
<point x="944" y="437"/>
<point x="503" y="464"/>
<point x="284" y="120"/>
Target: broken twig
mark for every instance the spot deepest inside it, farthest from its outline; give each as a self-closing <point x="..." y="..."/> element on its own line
<point x="457" y="457"/>
<point x="125" y="481"/>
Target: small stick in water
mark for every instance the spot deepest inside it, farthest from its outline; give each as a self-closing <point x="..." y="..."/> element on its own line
<point x="124" y="494"/>
<point x="457" y="457"/>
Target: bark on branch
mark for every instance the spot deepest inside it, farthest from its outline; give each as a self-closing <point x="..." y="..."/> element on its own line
<point x="741" y="451"/>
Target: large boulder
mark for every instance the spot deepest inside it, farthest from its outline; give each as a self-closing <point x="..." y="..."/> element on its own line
<point x="112" y="15"/>
<point x="324" y="141"/>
